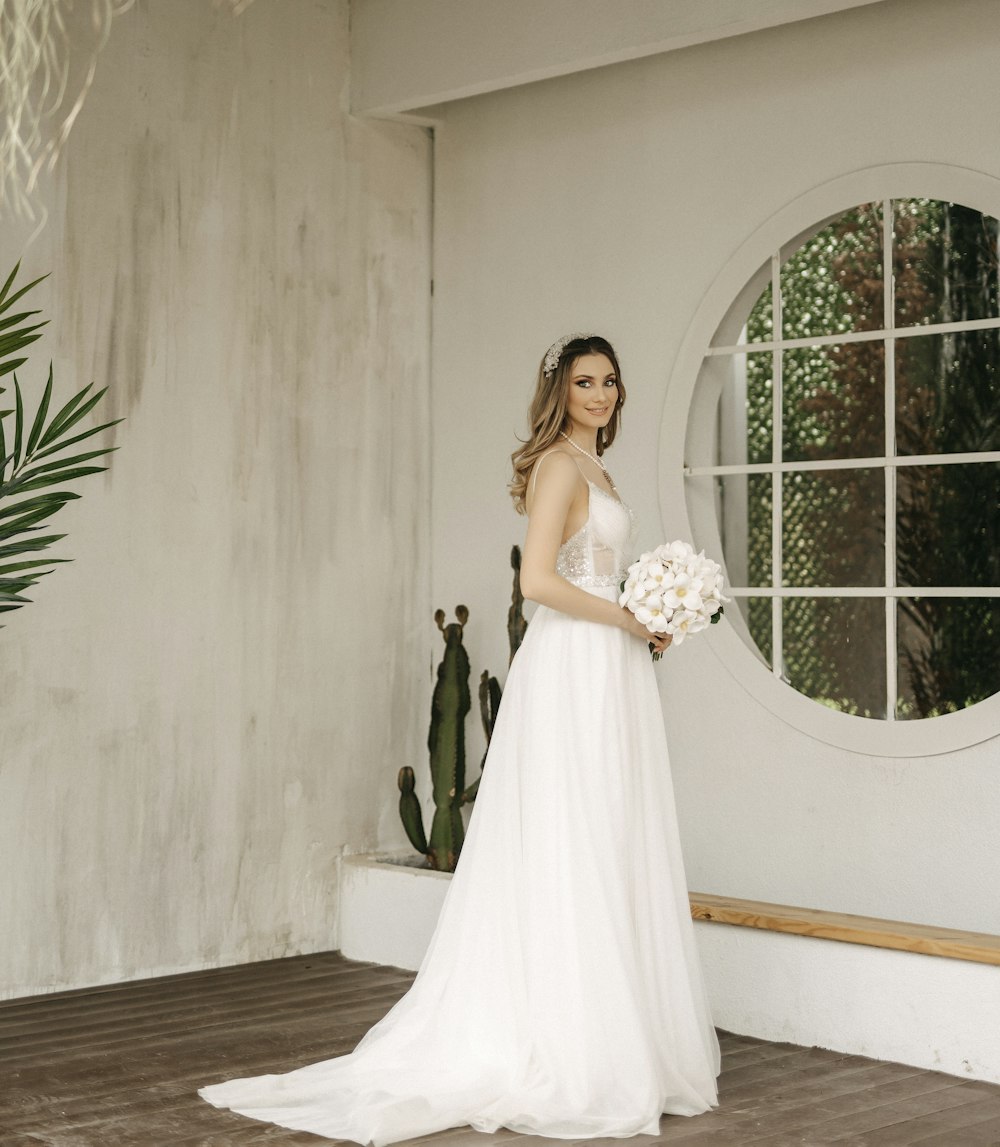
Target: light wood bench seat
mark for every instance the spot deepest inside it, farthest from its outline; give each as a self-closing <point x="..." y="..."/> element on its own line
<point x="981" y="947"/>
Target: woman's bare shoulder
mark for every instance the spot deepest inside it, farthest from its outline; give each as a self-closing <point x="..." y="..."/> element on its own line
<point x="555" y="470"/>
<point x="558" y="461"/>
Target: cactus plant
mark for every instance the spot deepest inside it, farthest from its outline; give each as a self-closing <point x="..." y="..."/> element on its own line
<point x="516" y="624"/>
<point x="489" y="687"/>
<point x="446" y="743"/>
<point x="489" y="705"/>
<point x="446" y="740"/>
<point x="409" y="810"/>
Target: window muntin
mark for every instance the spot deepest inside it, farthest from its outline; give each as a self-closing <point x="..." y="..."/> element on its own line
<point x="838" y="591"/>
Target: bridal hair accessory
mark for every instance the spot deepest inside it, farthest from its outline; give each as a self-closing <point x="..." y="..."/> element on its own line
<point x="597" y="462"/>
<point x="554" y="353"/>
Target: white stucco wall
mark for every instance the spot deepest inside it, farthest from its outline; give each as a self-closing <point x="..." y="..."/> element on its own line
<point x="610" y="200"/>
<point x="467" y="47"/>
<point x="205" y="708"/>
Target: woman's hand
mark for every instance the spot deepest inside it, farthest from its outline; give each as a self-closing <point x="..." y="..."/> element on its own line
<point x="657" y="641"/>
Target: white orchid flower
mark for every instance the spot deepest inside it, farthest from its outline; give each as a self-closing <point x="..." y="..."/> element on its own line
<point x="680" y="625"/>
<point x="653" y="618"/>
<point x="655" y="572"/>
<point x="684" y="594"/>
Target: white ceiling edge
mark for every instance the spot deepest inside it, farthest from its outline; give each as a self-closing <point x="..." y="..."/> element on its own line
<point x="415" y="54"/>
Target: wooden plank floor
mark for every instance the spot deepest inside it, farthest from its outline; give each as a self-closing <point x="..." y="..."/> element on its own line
<point x="118" y="1066"/>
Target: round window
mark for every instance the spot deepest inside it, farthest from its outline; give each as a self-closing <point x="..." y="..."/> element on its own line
<point x="844" y="452"/>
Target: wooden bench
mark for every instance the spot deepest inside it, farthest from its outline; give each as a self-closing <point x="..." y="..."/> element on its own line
<point x="981" y="947"/>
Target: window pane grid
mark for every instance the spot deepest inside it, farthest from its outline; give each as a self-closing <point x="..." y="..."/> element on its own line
<point x="809" y="382"/>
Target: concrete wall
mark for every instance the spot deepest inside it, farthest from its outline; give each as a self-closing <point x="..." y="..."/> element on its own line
<point x="467" y="47"/>
<point x="205" y="708"/>
<point x="611" y="200"/>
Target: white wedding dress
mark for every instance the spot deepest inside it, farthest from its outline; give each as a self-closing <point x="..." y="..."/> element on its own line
<point x="561" y="994"/>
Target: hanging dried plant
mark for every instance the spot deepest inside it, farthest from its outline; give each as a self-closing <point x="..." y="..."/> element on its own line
<point x="35" y="54"/>
<point x="34" y="81"/>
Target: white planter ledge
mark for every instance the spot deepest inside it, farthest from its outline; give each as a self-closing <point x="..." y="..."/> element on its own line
<point x="388" y="910"/>
<point x="925" y="1010"/>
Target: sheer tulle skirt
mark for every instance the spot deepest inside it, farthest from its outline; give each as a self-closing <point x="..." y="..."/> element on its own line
<point x="561" y="994"/>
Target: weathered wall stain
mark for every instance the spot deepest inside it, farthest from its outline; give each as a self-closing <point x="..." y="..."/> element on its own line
<point x="247" y="267"/>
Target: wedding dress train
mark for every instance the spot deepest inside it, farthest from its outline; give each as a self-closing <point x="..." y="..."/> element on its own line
<point x="561" y="994"/>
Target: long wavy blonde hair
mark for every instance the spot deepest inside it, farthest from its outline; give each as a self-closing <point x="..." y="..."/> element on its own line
<point x="547" y="415"/>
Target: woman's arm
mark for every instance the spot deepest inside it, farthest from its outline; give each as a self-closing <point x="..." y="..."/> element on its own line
<point x="556" y="485"/>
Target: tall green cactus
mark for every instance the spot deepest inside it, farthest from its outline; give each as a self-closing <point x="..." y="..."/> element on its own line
<point x="516" y="624"/>
<point x="446" y="739"/>
<point x="446" y="743"/>
<point x="489" y="687"/>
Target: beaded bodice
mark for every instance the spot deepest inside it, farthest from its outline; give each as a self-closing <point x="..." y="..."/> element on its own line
<point x="595" y="554"/>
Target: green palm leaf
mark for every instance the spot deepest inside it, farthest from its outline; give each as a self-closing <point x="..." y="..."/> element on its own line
<point x="60" y="476"/>
<point x="16" y="332"/>
<point x="27" y="514"/>
<point x="17" y="585"/>
<point x="60" y="464"/>
<point x="5" y="302"/>
<point x="78" y="438"/>
<point x="34" y="456"/>
<point x="18" y="424"/>
<point x="9" y="347"/>
<point x="71" y="414"/>
<point x="43" y="409"/>
<point x="13" y="320"/>
<point x="15" y="549"/>
<point x="36" y="563"/>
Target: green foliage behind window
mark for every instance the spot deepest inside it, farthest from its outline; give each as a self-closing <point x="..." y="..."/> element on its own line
<point x="947" y="400"/>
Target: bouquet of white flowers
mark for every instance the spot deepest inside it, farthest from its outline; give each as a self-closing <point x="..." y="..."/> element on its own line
<point x="674" y="590"/>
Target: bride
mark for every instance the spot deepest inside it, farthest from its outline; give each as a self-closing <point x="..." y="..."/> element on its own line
<point x="561" y="994"/>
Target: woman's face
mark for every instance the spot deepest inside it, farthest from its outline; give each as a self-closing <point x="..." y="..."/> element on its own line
<point x="593" y="392"/>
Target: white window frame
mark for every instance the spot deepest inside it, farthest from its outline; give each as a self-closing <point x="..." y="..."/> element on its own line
<point x="688" y="506"/>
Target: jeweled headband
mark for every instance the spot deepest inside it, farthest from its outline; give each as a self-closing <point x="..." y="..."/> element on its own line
<point x="554" y="353"/>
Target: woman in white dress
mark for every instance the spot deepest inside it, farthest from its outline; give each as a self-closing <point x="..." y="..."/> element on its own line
<point x="561" y="993"/>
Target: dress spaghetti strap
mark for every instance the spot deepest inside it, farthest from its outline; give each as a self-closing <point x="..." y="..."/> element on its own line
<point x="541" y="458"/>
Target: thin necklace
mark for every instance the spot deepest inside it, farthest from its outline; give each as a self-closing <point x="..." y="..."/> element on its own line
<point x="597" y="462"/>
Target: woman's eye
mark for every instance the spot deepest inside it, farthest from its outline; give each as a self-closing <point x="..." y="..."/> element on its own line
<point x="611" y="382"/>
